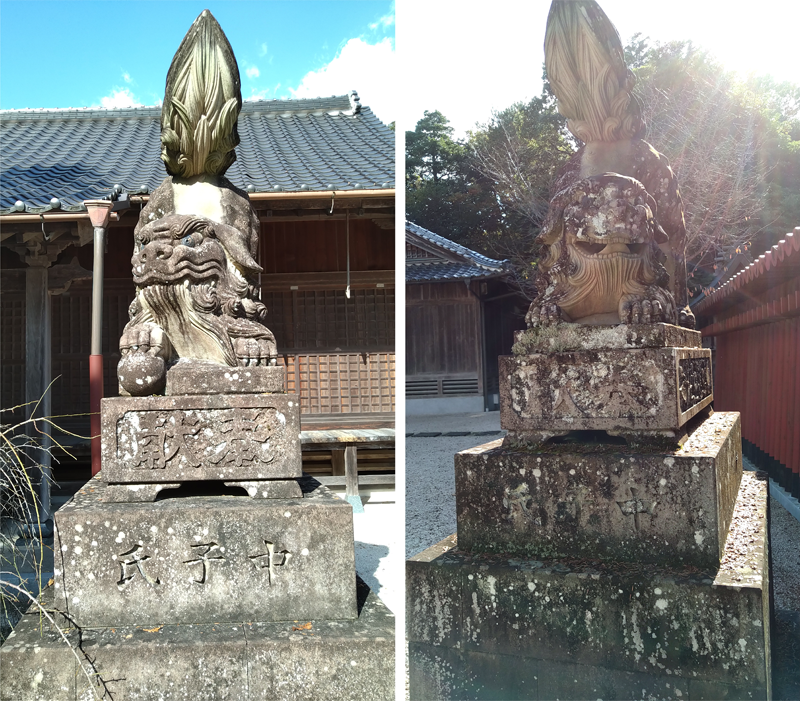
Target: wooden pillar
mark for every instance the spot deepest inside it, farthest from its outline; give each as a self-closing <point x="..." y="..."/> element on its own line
<point x="37" y="369"/>
<point x="351" y="479"/>
<point x="337" y="462"/>
<point x="351" y="471"/>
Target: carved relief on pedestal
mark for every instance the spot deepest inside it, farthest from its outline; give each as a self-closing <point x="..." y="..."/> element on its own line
<point x="153" y="440"/>
<point x="694" y="381"/>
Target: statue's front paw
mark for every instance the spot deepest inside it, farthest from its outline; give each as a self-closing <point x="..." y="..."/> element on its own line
<point x="147" y="338"/>
<point x="255" y="351"/>
<point x="646" y="309"/>
<point x="686" y="318"/>
<point x="142" y="370"/>
<point x="543" y="315"/>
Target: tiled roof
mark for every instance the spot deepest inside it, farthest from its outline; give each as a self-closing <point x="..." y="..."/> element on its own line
<point x="286" y="145"/>
<point x="783" y="259"/>
<point x="452" y="262"/>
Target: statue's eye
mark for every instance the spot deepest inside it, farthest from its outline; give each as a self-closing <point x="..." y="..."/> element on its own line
<point x="191" y="240"/>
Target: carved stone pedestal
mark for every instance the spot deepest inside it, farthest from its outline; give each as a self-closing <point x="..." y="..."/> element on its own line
<point x="609" y="547"/>
<point x="624" y="381"/>
<point x="201" y="437"/>
<point x="197" y="559"/>
<point x="200" y="564"/>
<point x="555" y="620"/>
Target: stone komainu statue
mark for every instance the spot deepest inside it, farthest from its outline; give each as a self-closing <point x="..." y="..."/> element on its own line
<point x="196" y="243"/>
<point x="614" y="235"/>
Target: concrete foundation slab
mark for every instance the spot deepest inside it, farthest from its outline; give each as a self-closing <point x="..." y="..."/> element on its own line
<point x="201" y="437"/>
<point x="196" y="559"/>
<point x="635" y="630"/>
<point x="603" y="501"/>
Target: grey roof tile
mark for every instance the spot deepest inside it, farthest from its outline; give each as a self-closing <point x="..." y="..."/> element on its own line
<point x="285" y="144"/>
<point x="440" y="270"/>
<point x="461" y="262"/>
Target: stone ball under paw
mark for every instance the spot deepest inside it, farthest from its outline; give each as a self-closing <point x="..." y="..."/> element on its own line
<point x="141" y="374"/>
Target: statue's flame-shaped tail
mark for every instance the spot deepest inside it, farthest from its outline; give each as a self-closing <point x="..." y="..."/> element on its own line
<point x="202" y="101"/>
<point x="586" y="68"/>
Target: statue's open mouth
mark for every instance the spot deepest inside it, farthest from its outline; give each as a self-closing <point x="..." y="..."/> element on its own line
<point x="184" y="272"/>
<point x="610" y="249"/>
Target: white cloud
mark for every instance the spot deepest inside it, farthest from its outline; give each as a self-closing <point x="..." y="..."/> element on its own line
<point x="252" y="72"/>
<point x="384" y="22"/>
<point x="258" y="95"/>
<point x="263" y="50"/>
<point x="367" y="68"/>
<point x="120" y="97"/>
<point x="127" y="77"/>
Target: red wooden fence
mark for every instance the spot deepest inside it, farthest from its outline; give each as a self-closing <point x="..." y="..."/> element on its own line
<point x="755" y="319"/>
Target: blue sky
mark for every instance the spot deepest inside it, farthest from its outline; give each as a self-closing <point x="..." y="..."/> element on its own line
<point x="115" y="54"/>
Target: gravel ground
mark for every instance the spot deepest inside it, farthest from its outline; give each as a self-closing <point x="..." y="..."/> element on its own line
<point x="784" y="538"/>
<point x="377" y="535"/>
<point x="377" y="544"/>
<point x="430" y="478"/>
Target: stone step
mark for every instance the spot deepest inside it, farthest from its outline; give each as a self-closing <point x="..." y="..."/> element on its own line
<point x="490" y="626"/>
<point x="303" y="659"/>
<point x="609" y="502"/>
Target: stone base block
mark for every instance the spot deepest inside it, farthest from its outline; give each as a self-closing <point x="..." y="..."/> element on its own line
<point x="575" y="337"/>
<point x="195" y="559"/>
<point x="247" y="661"/>
<point x="544" y="629"/>
<point x="199" y="377"/>
<point x="201" y="437"/>
<point x="603" y="501"/>
<point x="654" y="389"/>
<point x="453" y="674"/>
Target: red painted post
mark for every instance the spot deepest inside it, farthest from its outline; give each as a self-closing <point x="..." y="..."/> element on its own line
<point x="795" y="459"/>
<point x="778" y="387"/>
<point x="772" y="358"/>
<point x="99" y="214"/>
<point x="95" y="395"/>
<point x="787" y="353"/>
<point x="788" y="364"/>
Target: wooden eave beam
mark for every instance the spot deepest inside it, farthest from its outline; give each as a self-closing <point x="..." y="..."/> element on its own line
<point x="359" y="279"/>
<point x="320" y="215"/>
<point x="32" y="219"/>
<point x="325" y="194"/>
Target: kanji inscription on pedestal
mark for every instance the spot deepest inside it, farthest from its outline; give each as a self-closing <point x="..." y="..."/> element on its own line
<point x="201" y="437"/>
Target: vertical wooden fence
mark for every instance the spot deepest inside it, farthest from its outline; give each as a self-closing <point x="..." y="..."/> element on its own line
<point x="755" y="320"/>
